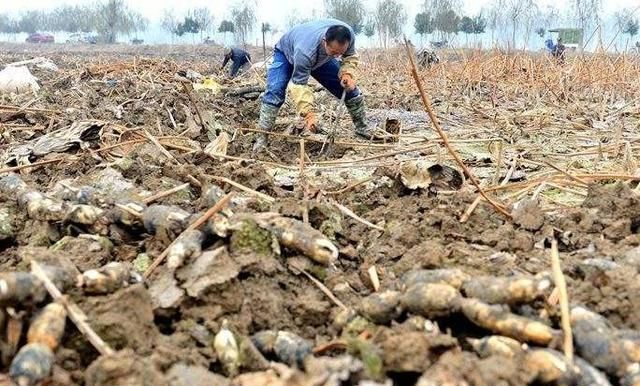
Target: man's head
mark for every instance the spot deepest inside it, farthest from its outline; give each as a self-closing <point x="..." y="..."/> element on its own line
<point x="336" y="40"/>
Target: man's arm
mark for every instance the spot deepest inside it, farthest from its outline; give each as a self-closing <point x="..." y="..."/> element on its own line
<point x="350" y="60"/>
<point x="226" y="60"/>
<point x="349" y="65"/>
<point x="300" y="91"/>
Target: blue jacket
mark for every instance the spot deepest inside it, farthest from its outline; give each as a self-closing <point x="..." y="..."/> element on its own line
<point x="303" y="48"/>
<point x="549" y="45"/>
<point x="239" y="57"/>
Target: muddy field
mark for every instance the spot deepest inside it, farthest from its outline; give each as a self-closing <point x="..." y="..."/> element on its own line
<point x="374" y="264"/>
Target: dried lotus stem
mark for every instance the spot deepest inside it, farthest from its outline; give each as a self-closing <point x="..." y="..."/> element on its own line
<point x="561" y="284"/>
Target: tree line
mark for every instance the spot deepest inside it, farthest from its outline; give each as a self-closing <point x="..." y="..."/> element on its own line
<point x="201" y="21"/>
<point x="513" y="19"/>
<point x="108" y="18"/>
<point x="519" y="18"/>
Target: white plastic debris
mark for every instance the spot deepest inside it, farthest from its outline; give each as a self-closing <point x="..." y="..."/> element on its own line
<point x="194" y="76"/>
<point x="219" y="146"/>
<point x="415" y="174"/>
<point x="17" y="80"/>
<point x="40" y="62"/>
<point x="262" y="63"/>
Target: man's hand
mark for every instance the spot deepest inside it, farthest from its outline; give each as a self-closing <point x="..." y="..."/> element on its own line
<point x="347" y="81"/>
<point x="310" y="122"/>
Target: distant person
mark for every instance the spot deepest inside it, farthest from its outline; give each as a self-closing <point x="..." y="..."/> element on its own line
<point x="558" y="51"/>
<point x="427" y="58"/>
<point x="309" y="50"/>
<point x="549" y="45"/>
<point x="240" y="58"/>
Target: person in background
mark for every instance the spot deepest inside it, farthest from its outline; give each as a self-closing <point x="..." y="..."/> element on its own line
<point x="241" y="60"/>
<point x="558" y="51"/>
<point x="549" y="45"/>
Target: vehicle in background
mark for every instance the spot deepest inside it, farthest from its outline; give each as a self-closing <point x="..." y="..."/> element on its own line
<point x="572" y="38"/>
<point x="82" y="37"/>
<point x="40" y="38"/>
<point x="137" y="41"/>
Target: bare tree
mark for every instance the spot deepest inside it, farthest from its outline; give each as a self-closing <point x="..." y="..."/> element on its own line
<point x="114" y="17"/>
<point x="390" y="16"/>
<point x="423" y="24"/>
<point x="349" y="11"/>
<point x="170" y="23"/>
<point x="204" y="18"/>
<point x="448" y="23"/>
<point x="586" y="13"/>
<point x="626" y="24"/>
<point x="60" y="20"/>
<point x="11" y="26"/>
<point x="137" y="23"/>
<point x="530" y="17"/>
<point x="87" y="16"/>
<point x="294" y="18"/>
<point x="244" y="19"/>
<point x="370" y="26"/>
<point x="226" y="26"/>
<point x="30" y="21"/>
<point x="5" y="21"/>
<point x="550" y="16"/>
<point x="495" y="17"/>
<point x="516" y="11"/>
<point x="445" y="14"/>
<point x="274" y="30"/>
<point x="71" y="19"/>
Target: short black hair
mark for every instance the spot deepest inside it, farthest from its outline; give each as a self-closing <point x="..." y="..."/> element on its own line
<point x="338" y="33"/>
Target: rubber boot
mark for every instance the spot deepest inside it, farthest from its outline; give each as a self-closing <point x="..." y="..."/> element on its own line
<point x="356" y="109"/>
<point x="268" y="114"/>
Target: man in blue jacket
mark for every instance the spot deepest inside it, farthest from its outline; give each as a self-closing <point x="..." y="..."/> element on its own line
<point x="549" y="45"/>
<point x="311" y="50"/>
<point x="240" y="58"/>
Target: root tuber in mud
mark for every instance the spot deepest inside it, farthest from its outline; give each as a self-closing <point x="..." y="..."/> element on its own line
<point x="431" y="300"/>
<point x="48" y="326"/>
<point x="32" y="364"/>
<point x="507" y="290"/>
<point x="500" y="321"/>
<point x="108" y="278"/>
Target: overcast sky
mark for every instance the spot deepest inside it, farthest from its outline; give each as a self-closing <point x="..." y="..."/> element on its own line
<point x="277" y="12"/>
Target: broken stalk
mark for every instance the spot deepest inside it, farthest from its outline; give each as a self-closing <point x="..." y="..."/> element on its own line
<point x="445" y="139"/>
<point x="195" y="105"/>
